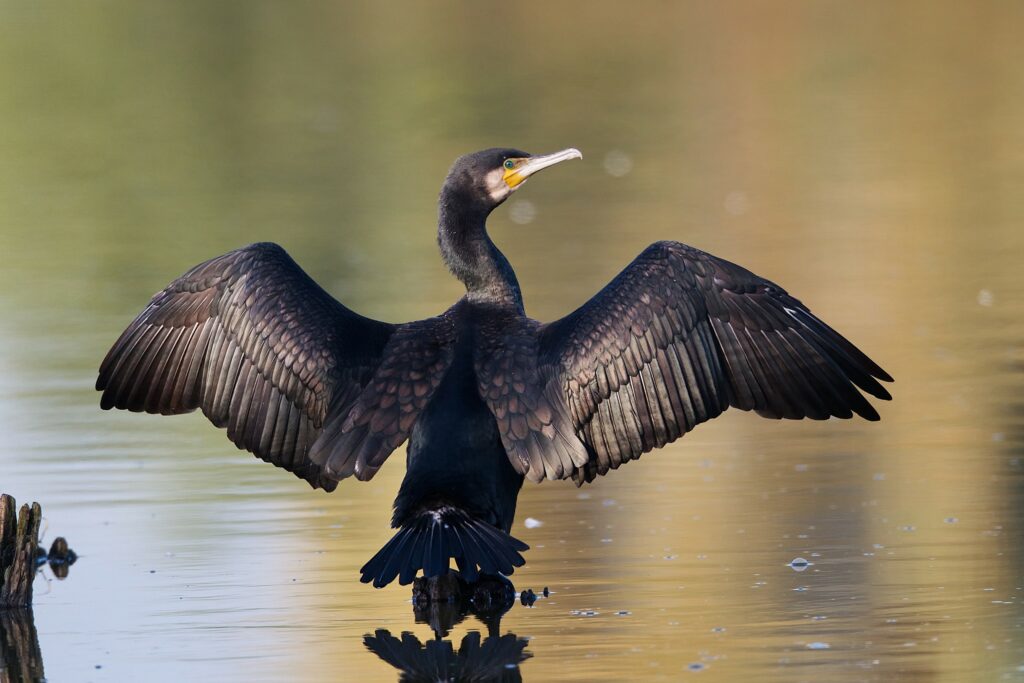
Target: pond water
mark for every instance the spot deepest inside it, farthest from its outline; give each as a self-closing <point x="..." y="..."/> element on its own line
<point x="867" y="157"/>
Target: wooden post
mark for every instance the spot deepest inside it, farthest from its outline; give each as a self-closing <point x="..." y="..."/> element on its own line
<point x="19" y="538"/>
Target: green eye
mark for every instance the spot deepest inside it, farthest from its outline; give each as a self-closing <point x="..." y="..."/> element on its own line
<point x="509" y="164"/>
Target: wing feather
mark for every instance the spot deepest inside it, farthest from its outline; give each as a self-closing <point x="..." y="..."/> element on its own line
<point x="254" y="343"/>
<point x="680" y="336"/>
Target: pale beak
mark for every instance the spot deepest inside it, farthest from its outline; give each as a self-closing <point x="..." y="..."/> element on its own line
<point x="538" y="163"/>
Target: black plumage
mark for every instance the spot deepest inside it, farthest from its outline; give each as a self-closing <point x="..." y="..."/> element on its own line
<point x="485" y="395"/>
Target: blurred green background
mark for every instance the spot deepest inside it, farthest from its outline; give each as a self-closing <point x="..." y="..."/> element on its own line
<point x="869" y="157"/>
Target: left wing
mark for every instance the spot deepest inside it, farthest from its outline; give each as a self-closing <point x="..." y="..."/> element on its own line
<point x="297" y="378"/>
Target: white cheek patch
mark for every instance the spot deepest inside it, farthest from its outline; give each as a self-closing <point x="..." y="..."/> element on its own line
<point x="497" y="188"/>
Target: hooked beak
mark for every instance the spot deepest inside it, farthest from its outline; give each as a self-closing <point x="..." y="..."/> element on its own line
<point x="537" y="163"/>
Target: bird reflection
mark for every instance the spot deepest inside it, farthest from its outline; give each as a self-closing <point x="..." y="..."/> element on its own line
<point x="495" y="659"/>
<point x="442" y="603"/>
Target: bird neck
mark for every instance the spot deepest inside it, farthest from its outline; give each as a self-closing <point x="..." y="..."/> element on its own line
<point x="470" y="254"/>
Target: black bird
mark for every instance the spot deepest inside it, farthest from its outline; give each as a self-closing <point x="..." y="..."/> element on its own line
<point x="485" y="395"/>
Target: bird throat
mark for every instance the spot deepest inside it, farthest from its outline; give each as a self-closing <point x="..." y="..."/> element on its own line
<point x="470" y="254"/>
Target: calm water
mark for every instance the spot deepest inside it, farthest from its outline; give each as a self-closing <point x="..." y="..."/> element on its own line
<point x="868" y="158"/>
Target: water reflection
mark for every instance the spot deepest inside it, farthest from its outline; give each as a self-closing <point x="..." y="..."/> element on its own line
<point x="496" y="659"/>
<point x="493" y="657"/>
<point x="20" y="656"/>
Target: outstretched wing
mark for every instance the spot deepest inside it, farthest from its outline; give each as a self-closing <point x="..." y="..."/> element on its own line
<point x="679" y="336"/>
<point x="255" y="343"/>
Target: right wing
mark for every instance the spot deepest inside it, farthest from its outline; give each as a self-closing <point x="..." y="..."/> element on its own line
<point x="678" y="337"/>
<point x="258" y="346"/>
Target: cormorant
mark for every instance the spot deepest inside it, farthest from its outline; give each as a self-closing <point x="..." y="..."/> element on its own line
<point x="485" y="395"/>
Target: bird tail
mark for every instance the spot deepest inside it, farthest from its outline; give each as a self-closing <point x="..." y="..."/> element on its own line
<point x="430" y="539"/>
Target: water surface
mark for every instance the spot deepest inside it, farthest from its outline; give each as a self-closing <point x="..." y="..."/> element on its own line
<point x="868" y="158"/>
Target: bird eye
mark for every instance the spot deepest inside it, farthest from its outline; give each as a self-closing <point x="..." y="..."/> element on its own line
<point x="509" y="164"/>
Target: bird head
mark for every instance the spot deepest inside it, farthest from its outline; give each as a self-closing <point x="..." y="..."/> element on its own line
<point x="487" y="178"/>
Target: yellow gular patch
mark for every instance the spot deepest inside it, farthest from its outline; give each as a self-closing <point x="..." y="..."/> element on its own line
<point x="512" y="176"/>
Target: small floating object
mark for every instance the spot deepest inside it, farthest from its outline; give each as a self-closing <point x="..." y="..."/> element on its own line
<point x="546" y="592"/>
<point x="818" y="645"/>
<point x="799" y="564"/>
<point x="695" y="666"/>
<point x="532" y="523"/>
<point x="21" y="555"/>
<point x="528" y="597"/>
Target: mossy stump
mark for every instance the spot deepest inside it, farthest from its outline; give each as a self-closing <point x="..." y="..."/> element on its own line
<point x="19" y="539"/>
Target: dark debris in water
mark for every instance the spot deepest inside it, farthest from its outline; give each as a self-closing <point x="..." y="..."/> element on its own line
<point x="21" y="555"/>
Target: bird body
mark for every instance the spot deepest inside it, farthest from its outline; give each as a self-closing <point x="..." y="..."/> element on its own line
<point x="486" y="396"/>
<point x="455" y="452"/>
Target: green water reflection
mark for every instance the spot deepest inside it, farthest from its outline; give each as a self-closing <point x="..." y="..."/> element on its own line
<point x="869" y="157"/>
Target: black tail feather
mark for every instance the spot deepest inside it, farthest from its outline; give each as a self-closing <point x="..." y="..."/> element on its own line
<point x="432" y="539"/>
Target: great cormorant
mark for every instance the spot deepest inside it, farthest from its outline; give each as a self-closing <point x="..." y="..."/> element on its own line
<point x="485" y="395"/>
